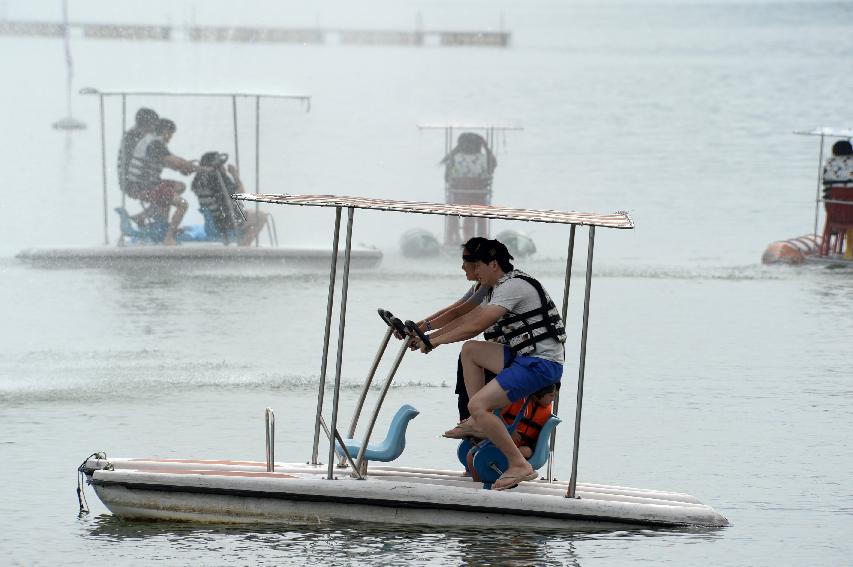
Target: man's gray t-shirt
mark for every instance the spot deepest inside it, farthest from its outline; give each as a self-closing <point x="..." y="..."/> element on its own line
<point x="518" y="296"/>
<point x="477" y="293"/>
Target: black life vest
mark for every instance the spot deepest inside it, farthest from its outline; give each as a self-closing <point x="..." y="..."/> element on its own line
<point x="517" y="330"/>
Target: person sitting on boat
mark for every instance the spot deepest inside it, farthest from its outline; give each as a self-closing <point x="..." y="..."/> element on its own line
<point x="145" y="123"/>
<point x="468" y="170"/>
<point x="838" y="169"/>
<point x="537" y="409"/>
<point x="150" y="156"/>
<point x="524" y="335"/>
<point x="214" y="188"/>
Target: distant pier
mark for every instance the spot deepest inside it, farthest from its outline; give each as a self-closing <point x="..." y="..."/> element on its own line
<point x="302" y="36"/>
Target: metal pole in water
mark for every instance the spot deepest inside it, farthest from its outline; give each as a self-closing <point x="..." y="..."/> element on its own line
<point x="257" y="162"/>
<point x="341" y="327"/>
<point x="566" y="288"/>
<point x="123" y="130"/>
<point x="573" y="480"/>
<point x="330" y="301"/>
<point x="104" y="167"/>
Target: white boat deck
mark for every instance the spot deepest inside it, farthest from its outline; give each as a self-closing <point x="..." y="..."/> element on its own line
<point x="105" y="256"/>
<point x="244" y="491"/>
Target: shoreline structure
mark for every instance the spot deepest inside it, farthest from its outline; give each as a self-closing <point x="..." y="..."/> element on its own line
<point x="417" y="37"/>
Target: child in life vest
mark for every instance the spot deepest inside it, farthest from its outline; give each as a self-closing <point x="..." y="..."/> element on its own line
<point x="526" y="432"/>
<point x="536" y="413"/>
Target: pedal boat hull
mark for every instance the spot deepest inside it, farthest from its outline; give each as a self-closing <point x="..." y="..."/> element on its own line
<point x="244" y="492"/>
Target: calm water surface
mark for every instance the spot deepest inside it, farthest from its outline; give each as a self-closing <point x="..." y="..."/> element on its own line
<point x="706" y="372"/>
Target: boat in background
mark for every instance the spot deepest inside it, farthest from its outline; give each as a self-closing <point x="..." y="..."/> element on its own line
<point x="196" y="243"/>
<point x="420" y="243"/>
<point x="834" y="245"/>
<point x="358" y="481"/>
<point x="519" y="244"/>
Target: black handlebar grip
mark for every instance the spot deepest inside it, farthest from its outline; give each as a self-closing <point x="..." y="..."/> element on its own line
<point x="416" y="330"/>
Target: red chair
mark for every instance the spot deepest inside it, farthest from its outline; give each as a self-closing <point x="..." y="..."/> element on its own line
<point x="839" y="218"/>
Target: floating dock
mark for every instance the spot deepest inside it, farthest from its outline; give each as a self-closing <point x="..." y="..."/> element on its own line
<point x="235" y="34"/>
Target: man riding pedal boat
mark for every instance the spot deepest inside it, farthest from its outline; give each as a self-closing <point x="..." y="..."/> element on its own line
<point x="524" y="346"/>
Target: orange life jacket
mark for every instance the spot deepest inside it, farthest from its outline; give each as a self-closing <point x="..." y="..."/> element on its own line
<point x="531" y="422"/>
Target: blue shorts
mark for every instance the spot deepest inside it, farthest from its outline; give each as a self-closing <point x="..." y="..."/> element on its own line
<point x="527" y="374"/>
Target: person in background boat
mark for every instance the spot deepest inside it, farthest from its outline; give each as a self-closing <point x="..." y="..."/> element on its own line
<point x="524" y="346"/>
<point x="150" y="156"/>
<point x="145" y="123"/>
<point x="214" y="188"/>
<point x="468" y="170"/>
<point x="838" y="169"/>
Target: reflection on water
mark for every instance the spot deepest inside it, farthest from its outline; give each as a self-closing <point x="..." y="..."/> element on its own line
<point x="360" y="543"/>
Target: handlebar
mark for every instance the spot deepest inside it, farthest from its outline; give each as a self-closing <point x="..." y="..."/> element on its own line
<point x="413" y="328"/>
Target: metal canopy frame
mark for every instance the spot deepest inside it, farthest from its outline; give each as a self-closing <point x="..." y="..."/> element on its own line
<point x="619" y="220"/>
<point x="823" y="133"/>
<point x="257" y="96"/>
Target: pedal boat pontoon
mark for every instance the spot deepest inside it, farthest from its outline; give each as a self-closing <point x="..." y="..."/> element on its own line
<point x="833" y="247"/>
<point x="346" y="488"/>
<point x="132" y="251"/>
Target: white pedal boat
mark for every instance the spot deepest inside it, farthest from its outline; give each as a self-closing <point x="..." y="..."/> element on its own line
<point x="243" y="491"/>
<point x="346" y="488"/>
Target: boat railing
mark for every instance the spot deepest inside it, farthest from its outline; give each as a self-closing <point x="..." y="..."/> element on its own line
<point x="269" y="426"/>
<point x="271" y="231"/>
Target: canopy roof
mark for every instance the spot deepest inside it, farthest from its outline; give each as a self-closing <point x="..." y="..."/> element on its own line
<point x="468" y="126"/>
<point x="827" y="131"/>
<point x="94" y="91"/>
<point x="618" y="219"/>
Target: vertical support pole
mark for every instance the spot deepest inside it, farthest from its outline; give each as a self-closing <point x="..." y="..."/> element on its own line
<point x="104" y="167"/>
<point x="123" y="130"/>
<point x="269" y="419"/>
<point x="341" y="327"/>
<point x="574" y="478"/>
<point x="257" y="161"/>
<point x="819" y="183"/>
<point x="448" y="145"/>
<point x="565" y="311"/>
<point x="330" y="301"/>
<point x="236" y="142"/>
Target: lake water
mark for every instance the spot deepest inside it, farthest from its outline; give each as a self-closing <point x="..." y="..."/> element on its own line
<point x="707" y="373"/>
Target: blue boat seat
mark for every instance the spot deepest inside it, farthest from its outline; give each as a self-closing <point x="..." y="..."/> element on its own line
<point x="212" y="232"/>
<point x="154" y="230"/>
<point x="393" y="445"/>
<point x="488" y="457"/>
